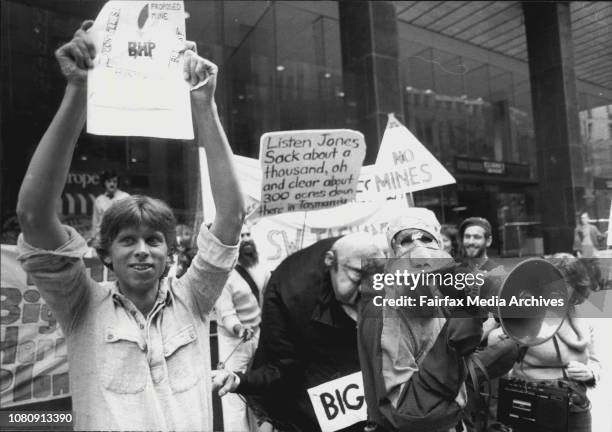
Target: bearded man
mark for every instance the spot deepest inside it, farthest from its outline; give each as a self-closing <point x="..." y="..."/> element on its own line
<point x="238" y="318"/>
<point x="475" y="235"/>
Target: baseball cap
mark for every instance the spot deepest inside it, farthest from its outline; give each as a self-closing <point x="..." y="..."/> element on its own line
<point x="478" y="221"/>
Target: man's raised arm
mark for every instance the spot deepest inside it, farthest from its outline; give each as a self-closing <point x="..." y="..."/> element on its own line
<point x="44" y="181"/>
<point x="226" y="190"/>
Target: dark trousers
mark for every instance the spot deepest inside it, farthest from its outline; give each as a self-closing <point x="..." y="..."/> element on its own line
<point x="577" y="422"/>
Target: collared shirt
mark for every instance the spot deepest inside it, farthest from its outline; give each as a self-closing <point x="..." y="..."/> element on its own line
<point x="129" y="371"/>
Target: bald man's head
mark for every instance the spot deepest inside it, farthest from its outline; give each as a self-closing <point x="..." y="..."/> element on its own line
<point x="344" y="261"/>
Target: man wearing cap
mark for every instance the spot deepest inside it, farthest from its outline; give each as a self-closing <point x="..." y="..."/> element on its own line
<point x="475" y="235"/>
<point x="308" y="332"/>
<point x="414" y="359"/>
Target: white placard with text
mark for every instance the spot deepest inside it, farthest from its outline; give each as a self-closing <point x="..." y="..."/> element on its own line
<point x="339" y="403"/>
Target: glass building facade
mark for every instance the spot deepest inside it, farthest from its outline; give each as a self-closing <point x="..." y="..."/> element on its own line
<point x="281" y="67"/>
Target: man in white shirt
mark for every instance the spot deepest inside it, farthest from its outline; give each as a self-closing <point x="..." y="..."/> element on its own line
<point x="238" y="317"/>
<point x="111" y="194"/>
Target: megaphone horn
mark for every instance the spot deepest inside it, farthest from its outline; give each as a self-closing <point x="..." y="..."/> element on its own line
<point x="535" y="301"/>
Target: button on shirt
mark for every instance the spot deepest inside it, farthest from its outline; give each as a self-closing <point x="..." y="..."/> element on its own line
<point x="129" y="371"/>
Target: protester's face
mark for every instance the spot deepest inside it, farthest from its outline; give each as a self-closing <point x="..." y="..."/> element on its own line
<point x="447" y="245"/>
<point x="475" y="242"/>
<point x="183" y="236"/>
<point x="110" y="185"/>
<point x="407" y="241"/>
<point x="346" y="276"/>
<point x="419" y="251"/>
<point x="247" y="252"/>
<point x="584" y="218"/>
<point x="139" y="256"/>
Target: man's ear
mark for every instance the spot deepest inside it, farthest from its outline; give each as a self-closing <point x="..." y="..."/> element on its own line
<point x="330" y="258"/>
<point x="489" y="241"/>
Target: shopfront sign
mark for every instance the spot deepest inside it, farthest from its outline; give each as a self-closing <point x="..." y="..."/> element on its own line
<point x="494" y="167"/>
<point x="602" y="183"/>
<point x="481" y="166"/>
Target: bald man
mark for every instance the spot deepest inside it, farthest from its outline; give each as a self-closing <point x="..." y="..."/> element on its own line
<point x="308" y="330"/>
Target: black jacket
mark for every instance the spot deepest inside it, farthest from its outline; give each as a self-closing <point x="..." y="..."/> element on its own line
<point x="306" y="339"/>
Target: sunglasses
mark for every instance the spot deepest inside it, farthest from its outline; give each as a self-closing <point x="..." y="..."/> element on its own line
<point x="407" y="237"/>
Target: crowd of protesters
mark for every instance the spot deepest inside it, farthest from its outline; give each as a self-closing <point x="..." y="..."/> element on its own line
<point x="138" y="347"/>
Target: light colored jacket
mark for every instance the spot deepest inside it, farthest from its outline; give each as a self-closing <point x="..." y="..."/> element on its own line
<point x="128" y="371"/>
<point x="237" y="303"/>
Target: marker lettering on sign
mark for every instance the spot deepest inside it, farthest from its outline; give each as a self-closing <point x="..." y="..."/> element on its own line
<point x="344" y="403"/>
<point x="401" y="157"/>
<point x="410" y="176"/>
<point x="309" y="170"/>
<point x="141" y="49"/>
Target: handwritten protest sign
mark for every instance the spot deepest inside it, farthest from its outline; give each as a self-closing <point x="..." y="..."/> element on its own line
<point x="403" y="165"/>
<point x="34" y="364"/>
<point x="279" y="236"/>
<point x="339" y="403"/>
<point x="309" y="170"/>
<point x="136" y="86"/>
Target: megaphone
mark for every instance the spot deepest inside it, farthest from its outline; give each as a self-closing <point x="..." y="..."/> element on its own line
<point x="535" y="301"/>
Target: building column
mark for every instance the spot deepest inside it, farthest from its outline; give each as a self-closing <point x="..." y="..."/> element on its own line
<point x="370" y="65"/>
<point x="555" y="114"/>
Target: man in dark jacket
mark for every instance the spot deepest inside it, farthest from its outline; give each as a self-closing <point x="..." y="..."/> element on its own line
<point x="308" y="330"/>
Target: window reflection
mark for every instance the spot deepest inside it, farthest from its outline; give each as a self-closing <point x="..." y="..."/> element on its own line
<point x="596" y="132"/>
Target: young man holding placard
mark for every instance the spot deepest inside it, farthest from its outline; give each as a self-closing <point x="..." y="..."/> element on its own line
<point x="137" y="347"/>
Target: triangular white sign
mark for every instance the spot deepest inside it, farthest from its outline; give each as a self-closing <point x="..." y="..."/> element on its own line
<point x="404" y="164"/>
